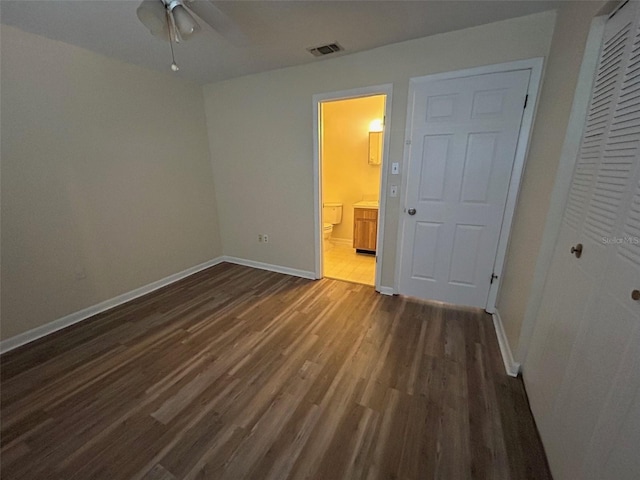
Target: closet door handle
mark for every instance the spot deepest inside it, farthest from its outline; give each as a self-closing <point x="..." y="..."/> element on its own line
<point x="411" y="211"/>
<point x="577" y="250"/>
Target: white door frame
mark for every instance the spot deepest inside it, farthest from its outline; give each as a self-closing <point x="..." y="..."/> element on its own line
<point x="533" y="64"/>
<point x="385" y="89"/>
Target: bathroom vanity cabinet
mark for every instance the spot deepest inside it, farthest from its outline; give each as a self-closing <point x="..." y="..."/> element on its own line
<point x="365" y="229"/>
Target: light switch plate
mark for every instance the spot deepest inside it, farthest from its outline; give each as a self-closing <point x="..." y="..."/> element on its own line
<point x="393" y="191"/>
<point x="395" y="168"/>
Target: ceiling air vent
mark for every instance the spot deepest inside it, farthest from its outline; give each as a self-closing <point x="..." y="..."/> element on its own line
<point x="325" y="49"/>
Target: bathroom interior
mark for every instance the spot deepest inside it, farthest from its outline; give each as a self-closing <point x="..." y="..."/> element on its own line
<point x="351" y="157"/>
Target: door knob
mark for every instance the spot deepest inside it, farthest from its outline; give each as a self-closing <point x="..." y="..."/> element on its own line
<point x="411" y="211"/>
<point x="635" y="294"/>
<point x="577" y="250"/>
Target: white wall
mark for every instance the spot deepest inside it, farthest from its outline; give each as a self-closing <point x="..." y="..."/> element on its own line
<point x="563" y="66"/>
<point x="105" y="174"/>
<point x="260" y="133"/>
<point x="105" y="164"/>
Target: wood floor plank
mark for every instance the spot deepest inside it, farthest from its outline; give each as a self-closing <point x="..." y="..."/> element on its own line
<point x="158" y="472"/>
<point x="237" y="373"/>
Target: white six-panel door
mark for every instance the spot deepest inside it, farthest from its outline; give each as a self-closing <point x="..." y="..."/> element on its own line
<point x="583" y="368"/>
<point x="463" y="139"/>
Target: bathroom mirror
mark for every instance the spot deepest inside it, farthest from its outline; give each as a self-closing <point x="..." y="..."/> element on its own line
<point x="375" y="148"/>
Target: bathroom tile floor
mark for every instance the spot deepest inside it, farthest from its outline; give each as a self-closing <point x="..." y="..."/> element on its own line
<point x="343" y="263"/>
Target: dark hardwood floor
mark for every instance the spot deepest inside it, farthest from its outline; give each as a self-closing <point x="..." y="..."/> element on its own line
<point x="238" y="373"/>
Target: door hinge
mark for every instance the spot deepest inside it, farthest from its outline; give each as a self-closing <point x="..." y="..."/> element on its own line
<point x="526" y="100"/>
<point x="493" y="277"/>
<point x="384" y="120"/>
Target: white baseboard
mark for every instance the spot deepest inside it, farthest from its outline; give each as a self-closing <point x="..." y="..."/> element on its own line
<point x="272" y="268"/>
<point x="510" y="365"/>
<point x="386" y="290"/>
<point x="60" y="323"/>
<point x="342" y="241"/>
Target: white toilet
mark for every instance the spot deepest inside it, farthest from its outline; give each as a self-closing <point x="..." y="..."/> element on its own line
<point x="331" y="215"/>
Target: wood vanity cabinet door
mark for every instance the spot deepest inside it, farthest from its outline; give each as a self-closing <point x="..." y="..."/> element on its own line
<point x="365" y="228"/>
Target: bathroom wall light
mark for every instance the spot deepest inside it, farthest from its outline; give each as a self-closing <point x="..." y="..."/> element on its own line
<point x="375" y="125"/>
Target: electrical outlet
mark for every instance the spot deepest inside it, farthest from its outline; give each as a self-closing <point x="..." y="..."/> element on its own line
<point x="260" y="239"/>
<point x="265" y="238"/>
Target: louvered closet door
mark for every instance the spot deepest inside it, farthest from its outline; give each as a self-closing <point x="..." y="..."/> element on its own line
<point x="583" y="369"/>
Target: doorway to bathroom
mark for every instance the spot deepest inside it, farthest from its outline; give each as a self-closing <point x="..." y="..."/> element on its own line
<point x="350" y="150"/>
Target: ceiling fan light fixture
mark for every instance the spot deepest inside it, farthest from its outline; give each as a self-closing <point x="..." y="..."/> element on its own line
<point x="185" y="24"/>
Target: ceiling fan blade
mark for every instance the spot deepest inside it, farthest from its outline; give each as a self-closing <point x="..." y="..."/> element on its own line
<point x="219" y="21"/>
<point x="153" y="15"/>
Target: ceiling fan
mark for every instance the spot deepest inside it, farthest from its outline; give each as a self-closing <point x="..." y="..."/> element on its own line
<point x="175" y="21"/>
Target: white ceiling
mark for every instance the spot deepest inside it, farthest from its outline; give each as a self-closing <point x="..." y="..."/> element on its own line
<point x="279" y="31"/>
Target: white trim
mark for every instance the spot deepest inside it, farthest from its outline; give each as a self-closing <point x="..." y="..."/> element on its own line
<point x="384" y="175"/>
<point x="483" y="70"/>
<point x="562" y="184"/>
<point x="535" y="66"/>
<point x="385" y="89"/>
<point x="510" y="365"/>
<point x="526" y="127"/>
<point x="60" y="323"/>
<point x="272" y="268"/>
<point x="342" y="241"/>
<point x="386" y="290"/>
